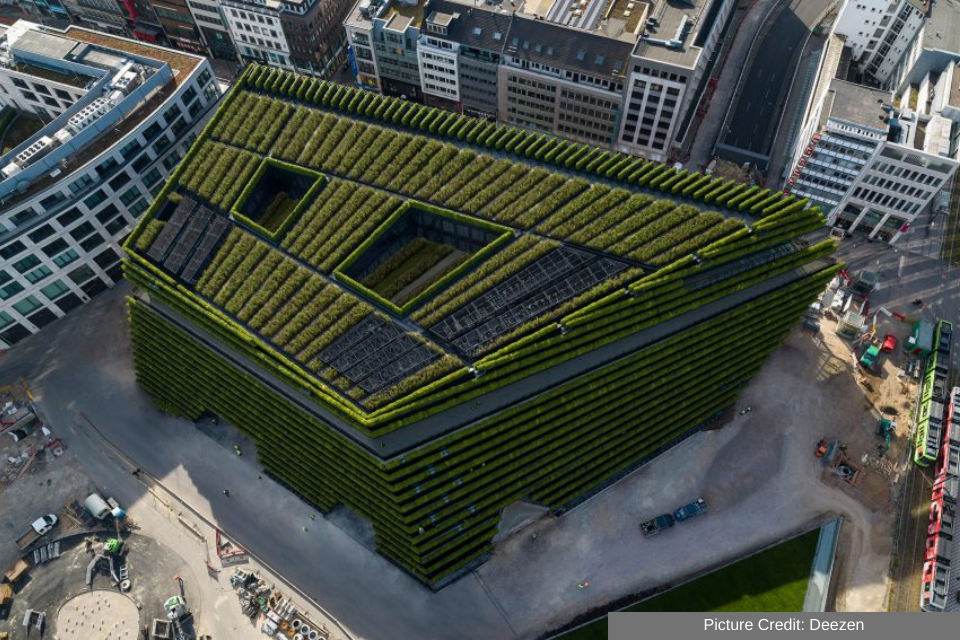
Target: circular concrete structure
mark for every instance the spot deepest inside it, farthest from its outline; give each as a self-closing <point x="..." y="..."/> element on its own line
<point x="104" y="615"/>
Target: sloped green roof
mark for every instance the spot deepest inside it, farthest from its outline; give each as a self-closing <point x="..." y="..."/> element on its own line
<point x="508" y="238"/>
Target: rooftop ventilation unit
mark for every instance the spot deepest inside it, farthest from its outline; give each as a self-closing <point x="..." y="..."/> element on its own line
<point x="35" y="151"/>
<point x="83" y="118"/>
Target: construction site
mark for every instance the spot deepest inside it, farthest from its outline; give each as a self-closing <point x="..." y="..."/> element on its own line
<point x="78" y="566"/>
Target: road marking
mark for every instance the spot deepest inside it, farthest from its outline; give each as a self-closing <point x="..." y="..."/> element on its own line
<point x="900" y="266"/>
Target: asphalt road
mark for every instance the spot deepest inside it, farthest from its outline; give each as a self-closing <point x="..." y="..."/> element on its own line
<point x="755" y="113"/>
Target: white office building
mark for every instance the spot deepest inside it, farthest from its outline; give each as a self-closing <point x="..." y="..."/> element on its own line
<point x="870" y="165"/>
<point x="258" y="32"/>
<point x="72" y="192"/>
<point x="668" y="70"/>
<point x="880" y="34"/>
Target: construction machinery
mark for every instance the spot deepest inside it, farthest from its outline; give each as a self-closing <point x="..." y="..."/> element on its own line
<point x="865" y="282"/>
<point x="176" y="608"/>
<point x="885" y="429"/>
<point x="821" y="449"/>
<point x="869" y="357"/>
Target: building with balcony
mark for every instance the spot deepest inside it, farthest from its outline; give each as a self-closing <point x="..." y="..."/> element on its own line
<point x="120" y="115"/>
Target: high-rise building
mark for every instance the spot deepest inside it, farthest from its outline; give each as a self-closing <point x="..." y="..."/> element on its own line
<point x="119" y="115"/>
<point x="425" y="333"/>
<point x="624" y="75"/>
<point x="668" y="73"/>
<point x="865" y="163"/>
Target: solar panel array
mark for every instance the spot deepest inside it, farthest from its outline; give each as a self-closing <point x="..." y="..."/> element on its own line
<point x="375" y="353"/>
<point x="189" y="238"/>
<point x="172" y="229"/>
<point x="541" y="286"/>
<point x="211" y="237"/>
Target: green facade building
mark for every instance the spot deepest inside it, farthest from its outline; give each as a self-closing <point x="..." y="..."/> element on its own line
<point x="427" y="317"/>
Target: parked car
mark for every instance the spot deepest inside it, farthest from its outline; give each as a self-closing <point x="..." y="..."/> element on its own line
<point x="38" y="528"/>
<point x="889" y="343"/>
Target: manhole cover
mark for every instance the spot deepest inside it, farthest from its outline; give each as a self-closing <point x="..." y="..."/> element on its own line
<point x="105" y="615"/>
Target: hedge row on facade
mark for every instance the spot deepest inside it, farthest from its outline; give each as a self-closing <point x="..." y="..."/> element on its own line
<point x="483" y="134"/>
<point x="546" y="350"/>
<point x="668" y="232"/>
<point x="454" y="489"/>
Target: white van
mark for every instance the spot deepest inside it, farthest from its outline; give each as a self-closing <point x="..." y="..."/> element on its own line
<point x="97" y="506"/>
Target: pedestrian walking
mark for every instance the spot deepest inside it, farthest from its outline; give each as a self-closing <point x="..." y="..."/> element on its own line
<point x="226" y="492"/>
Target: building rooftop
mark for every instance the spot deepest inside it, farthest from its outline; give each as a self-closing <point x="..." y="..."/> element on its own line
<point x="858" y="104"/>
<point x="479" y="27"/>
<point x="46" y="44"/>
<point x="182" y="64"/>
<point x="90" y="61"/>
<point x="413" y="271"/>
<point x="675" y="30"/>
<point x="400" y="16"/>
<point x="396" y="15"/>
<point x="953" y="97"/>
<point x="942" y="28"/>
<point x="568" y="48"/>
<point x="524" y="36"/>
